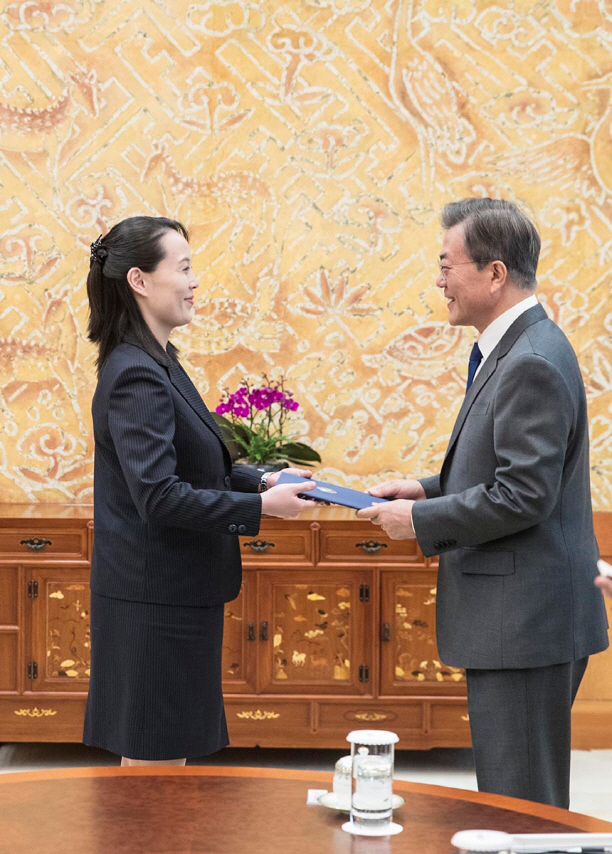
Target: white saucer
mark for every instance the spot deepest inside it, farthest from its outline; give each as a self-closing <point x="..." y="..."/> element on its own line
<point x="330" y="800"/>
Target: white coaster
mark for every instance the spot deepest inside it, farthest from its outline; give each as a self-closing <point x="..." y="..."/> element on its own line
<point x="330" y="800"/>
<point x="390" y="829"/>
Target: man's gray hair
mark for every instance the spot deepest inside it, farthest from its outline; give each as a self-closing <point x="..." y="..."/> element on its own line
<point x="496" y="230"/>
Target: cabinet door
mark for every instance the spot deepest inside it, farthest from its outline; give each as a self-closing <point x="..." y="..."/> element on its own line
<point x="11" y="630"/>
<point x="239" y="662"/>
<point x="410" y="663"/>
<point x="315" y="632"/>
<point x="59" y="654"/>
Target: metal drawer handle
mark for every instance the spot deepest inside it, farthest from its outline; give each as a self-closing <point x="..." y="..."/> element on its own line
<point x="385" y="634"/>
<point x="251" y="632"/>
<point x="370" y="547"/>
<point x="259" y="546"/>
<point x="263" y="631"/>
<point x="35" y="543"/>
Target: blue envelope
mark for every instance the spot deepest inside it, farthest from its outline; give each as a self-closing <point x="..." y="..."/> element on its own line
<point x="334" y="494"/>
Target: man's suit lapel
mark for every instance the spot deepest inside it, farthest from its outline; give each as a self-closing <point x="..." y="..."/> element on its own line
<point x="529" y="317"/>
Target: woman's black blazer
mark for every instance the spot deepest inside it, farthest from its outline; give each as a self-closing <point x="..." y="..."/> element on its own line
<point x="168" y="505"/>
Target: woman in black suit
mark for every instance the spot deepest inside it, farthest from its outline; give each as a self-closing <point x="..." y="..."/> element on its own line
<point x="168" y="509"/>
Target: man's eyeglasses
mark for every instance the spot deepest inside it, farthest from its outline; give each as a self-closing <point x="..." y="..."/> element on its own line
<point x="444" y="268"/>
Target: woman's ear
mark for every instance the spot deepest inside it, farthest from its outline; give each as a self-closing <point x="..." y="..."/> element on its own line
<point x="136" y="281"/>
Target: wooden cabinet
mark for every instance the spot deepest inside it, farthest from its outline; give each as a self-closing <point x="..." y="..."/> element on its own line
<point x="334" y="629"/>
<point x="44" y="622"/>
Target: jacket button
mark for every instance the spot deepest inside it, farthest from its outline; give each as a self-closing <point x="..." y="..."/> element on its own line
<point x="242" y="529"/>
<point x="227" y="481"/>
<point x="438" y="545"/>
<point x="232" y="529"/>
<point x="452" y="542"/>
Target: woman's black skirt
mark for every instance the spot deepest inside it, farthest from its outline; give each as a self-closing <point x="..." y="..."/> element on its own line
<point x="155" y="685"/>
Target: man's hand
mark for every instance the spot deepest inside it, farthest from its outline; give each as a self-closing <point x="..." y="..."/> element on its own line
<point x="410" y="489"/>
<point x="395" y="518"/>
<point x="271" y="481"/>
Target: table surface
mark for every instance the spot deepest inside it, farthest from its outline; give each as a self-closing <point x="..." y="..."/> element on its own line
<point x="169" y="810"/>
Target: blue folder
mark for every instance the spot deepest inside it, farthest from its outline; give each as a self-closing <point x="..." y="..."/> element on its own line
<point x="332" y="493"/>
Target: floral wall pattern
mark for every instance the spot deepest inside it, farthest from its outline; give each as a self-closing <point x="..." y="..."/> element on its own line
<point x="309" y="146"/>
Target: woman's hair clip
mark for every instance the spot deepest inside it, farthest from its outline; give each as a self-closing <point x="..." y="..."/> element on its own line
<point x="98" y="251"/>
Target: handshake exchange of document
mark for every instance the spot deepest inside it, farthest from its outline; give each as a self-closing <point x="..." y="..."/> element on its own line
<point x="388" y="504"/>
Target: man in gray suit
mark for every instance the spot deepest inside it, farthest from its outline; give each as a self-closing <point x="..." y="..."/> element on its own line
<point x="510" y="511"/>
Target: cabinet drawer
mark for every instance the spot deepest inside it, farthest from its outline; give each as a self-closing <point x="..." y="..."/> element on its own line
<point x="368" y="545"/>
<point x="274" y="546"/>
<point x="42" y="719"/>
<point x="397" y="717"/>
<point x="267" y="723"/>
<point x="24" y="543"/>
<point x="450" y="719"/>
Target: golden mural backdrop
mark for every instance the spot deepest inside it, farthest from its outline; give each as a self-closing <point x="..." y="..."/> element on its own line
<point x="309" y="146"/>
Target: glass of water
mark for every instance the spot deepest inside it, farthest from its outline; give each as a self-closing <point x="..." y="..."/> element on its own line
<point x="372" y="754"/>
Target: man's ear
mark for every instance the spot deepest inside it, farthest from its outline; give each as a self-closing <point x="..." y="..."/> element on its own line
<point x="136" y="281"/>
<point x="499" y="276"/>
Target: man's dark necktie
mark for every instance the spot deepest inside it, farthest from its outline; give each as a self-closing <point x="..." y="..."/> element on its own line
<point x="475" y="360"/>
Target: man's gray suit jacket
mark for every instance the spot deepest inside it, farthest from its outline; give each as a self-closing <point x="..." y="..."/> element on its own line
<point x="510" y="512"/>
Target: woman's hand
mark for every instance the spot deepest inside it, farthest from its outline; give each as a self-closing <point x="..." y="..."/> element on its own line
<point x="604" y="584"/>
<point x="283" y="501"/>
<point x="271" y="481"/>
<point x="604" y="579"/>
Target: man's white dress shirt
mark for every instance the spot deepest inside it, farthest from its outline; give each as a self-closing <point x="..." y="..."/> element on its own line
<point x="496" y="330"/>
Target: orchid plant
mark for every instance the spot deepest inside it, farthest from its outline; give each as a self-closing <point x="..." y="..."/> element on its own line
<point x="253" y="423"/>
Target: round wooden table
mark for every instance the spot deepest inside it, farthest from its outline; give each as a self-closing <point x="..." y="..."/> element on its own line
<point x="238" y="811"/>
